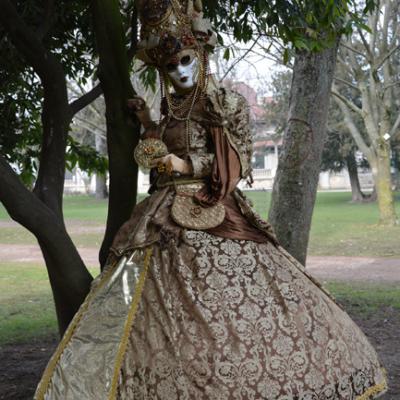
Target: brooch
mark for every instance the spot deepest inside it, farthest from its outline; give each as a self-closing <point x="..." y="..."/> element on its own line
<point x="149" y="149"/>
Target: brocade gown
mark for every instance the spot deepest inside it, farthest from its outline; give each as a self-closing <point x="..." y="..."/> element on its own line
<point x="224" y="313"/>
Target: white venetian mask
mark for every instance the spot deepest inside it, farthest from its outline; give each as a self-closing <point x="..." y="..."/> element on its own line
<point x="182" y="69"/>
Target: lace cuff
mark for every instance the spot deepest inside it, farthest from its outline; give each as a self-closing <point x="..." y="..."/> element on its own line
<point x="201" y="164"/>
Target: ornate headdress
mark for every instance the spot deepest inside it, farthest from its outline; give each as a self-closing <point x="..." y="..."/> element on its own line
<point x="169" y="26"/>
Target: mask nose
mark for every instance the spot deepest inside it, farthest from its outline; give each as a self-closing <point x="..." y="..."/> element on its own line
<point x="180" y="69"/>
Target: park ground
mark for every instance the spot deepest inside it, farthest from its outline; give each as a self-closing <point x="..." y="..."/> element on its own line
<point x="355" y="258"/>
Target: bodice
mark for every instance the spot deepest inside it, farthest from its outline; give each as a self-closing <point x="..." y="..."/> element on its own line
<point x="218" y="108"/>
<point x="194" y="139"/>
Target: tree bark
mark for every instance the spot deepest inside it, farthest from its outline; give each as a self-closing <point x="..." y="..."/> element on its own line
<point x="383" y="183"/>
<point x="296" y="181"/>
<point x="396" y="158"/>
<point x="373" y="195"/>
<point x="101" y="191"/>
<point x="101" y="187"/>
<point x="122" y="135"/>
<point x="357" y="195"/>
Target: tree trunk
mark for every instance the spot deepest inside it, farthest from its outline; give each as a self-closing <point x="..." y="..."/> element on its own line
<point x="41" y="212"/>
<point x="101" y="180"/>
<point x="101" y="187"/>
<point x="357" y="195"/>
<point x="296" y="181"/>
<point x="373" y="196"/>
<point x="122" y="137"/>
<point x="396" y="158"/>
<point x="69" y="278"/>
<point x="383" y="183"/>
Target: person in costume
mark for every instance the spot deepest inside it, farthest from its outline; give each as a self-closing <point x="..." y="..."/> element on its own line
<point x="198" y="300"/>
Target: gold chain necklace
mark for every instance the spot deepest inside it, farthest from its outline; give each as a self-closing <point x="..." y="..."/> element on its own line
<point x="185" y="108"/>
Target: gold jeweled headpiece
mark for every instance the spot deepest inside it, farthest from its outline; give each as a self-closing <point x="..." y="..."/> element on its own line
<point x="169" y="26"/>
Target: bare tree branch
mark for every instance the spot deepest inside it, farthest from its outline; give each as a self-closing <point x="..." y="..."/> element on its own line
<point x="370" y="56"/>
<point x="347" y="102"/>
<point x="92" y="127"/>
<point x="351" y="63"/>
<point x="369" y="106"/>
<point x="86" y="99"/>
<point x="351" y="48"/>
<point x="353" y="127"/>
<point x="384" y="57"/>
<point x="396" y="33"/>
<point x="373" y="24"/>
<point x="342" y="63"/>
<point x="347" y="83"/>
<point x="390" y="85"/>
<point x="385" y="24"/>
<point x="240" y="59"/>
<point x="395" y="131"/>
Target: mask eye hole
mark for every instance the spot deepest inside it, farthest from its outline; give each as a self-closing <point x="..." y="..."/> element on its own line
<point x="171" y="67"/>
<point x="185" y="60"/>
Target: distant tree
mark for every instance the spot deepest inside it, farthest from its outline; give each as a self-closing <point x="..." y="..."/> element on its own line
<point x="88" y="128"/>
<point x="369" y="70"/>
<point x="277" y="111"/>
<point x="340" y="152"/>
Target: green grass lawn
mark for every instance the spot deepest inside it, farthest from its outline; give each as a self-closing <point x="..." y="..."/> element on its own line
<point x="27" y="308"/>
<point x="342" y="228"/>
<point x="365" y="299"/>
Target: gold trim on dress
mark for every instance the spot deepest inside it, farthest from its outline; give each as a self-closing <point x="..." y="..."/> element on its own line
<point x="48" y="373"/>
<point x="128" y="324"/>
<point x="380" y="387"/>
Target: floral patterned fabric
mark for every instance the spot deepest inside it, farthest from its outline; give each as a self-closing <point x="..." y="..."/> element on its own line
<point x="235" y="319"/>
<point x="201" y="164"/>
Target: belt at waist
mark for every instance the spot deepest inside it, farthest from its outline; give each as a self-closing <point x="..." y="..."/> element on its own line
<point x="179" y="181"/>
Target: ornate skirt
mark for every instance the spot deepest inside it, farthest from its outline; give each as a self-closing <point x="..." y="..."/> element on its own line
<point x="211" y="318"/>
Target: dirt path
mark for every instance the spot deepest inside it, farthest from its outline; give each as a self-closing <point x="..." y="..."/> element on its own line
<point x="378" y="270"/>
<point x="73" y="226"/>
<point x="32" y="253"/>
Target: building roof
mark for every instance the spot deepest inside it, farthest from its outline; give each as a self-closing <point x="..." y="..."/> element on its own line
<point x="266" y="143"/>
<point x="257" y="111"/>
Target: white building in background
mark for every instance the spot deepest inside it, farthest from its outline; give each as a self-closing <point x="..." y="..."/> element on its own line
<point x="143" y="182"/>
<point x="263" y="180"/>
<point x="79" y="182"/>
